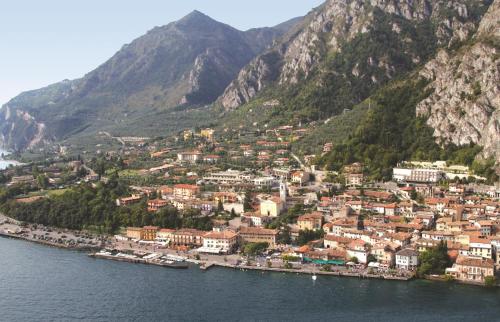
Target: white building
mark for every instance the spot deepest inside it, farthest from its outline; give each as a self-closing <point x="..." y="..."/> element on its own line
<point x="271" y="207"/>
<point x="237" y="207"/>
<point x="192" y="156"/>
<point x="359" y="249"/>
<point x="264" y="181"/>
<point x="228" y="177"/>
<point x="417" y="175"/>
<point x="219" y="242"/>
<point x="407" y="259"/>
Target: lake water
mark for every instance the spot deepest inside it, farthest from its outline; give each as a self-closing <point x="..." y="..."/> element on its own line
<point x="39" y="283"/>
<point x="5" y="163"/>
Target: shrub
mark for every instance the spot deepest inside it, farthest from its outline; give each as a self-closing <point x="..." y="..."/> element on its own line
<point x="490" y="281"/>
<point x="449" y="278"/>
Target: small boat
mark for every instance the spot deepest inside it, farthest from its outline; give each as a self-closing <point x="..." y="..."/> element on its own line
<point x="174" y="264"/>
<point x="314" y="277"/>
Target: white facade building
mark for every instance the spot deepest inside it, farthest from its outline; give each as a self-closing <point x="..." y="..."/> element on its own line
<point x="407" y="259"/>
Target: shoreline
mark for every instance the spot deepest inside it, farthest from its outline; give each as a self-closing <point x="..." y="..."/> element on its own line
<point x="87" y="248"/>
<point x="93" y="251"/>
<point x="308" y="272"/>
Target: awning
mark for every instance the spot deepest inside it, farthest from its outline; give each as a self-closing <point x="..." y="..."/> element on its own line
<point x="209" y="250"/>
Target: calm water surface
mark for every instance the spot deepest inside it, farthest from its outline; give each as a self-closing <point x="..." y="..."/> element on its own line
<point x="38" y="283"/>
<point x="5" y="163"/>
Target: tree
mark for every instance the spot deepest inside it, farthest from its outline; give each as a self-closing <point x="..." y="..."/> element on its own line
<point x="100" y="168"/>
<point x="255" y="248"/>
<point x="34" y="171"/>
<point x="307" y="235"/>
<point x="370" y="258"/>
<point x="434" y="260"/>
<point x="284" y="236"/>
<point x="449" y="278"/>
<point x="490" y="281"/>
<point x="220" y="206"/>
<point x="42" y="181"/>
<point x="247" y="202"/>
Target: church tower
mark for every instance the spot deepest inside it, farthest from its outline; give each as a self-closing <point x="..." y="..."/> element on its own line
<point x="283" y="191"/>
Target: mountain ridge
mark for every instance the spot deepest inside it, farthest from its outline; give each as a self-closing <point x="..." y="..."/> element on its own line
<point x="329" y="27"/>
<point x="188" y="63"/>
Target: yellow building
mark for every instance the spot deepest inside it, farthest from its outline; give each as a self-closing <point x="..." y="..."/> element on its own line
<point x="259" y="235"/>
<point x="480" y="247"/>
<point x="187" y="135"/>
<point x="207" y="134"/>
<point x="187" y="191"/>
<point x="443" y="224"/>
<point x="134" y="233"/>
<point x="149" y="233"/>
<point x="312" y="221"/>
<point x="165" y="235"/>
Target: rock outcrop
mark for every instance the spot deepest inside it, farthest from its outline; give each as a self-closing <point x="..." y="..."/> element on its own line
<point x="465" y="104"/>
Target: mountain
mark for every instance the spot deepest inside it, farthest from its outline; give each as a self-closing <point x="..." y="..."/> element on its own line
<point x="384" y="80"/>
<point x="383" y="37"/>
<point x="185" y="63"/>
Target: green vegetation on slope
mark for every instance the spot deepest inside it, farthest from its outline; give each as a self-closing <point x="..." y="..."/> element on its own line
<point x="391" y="132"/>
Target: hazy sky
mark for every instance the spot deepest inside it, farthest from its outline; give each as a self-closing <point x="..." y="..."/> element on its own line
<point x="46" y="41"/>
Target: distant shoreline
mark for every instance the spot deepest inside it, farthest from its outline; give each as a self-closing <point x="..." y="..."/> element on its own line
<point x="4" y="163"/>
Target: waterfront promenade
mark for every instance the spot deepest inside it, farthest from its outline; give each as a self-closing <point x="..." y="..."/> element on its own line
<point x="83" y="241"/>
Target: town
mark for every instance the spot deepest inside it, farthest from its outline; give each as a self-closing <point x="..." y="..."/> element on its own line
<point x="246" y="200"/>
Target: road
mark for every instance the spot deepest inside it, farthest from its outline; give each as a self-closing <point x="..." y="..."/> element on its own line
<point x="113" y="137"/>
<point x="302" y="166"/>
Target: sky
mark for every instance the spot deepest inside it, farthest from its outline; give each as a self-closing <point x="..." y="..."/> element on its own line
<point x="43" y="42"/>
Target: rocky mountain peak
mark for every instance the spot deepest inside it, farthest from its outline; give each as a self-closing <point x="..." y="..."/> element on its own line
<point x="327" y="29"/>
<point x="197" y="19"/>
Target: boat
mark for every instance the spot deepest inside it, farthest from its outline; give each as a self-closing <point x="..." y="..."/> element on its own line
<point x="123" y="257"/>
<point x="314" y="277"/>
<point x="174" y="264"/>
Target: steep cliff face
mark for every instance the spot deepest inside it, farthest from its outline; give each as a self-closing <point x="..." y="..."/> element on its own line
<point x="329" y="28"/>
<point x="465" y="105"/>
